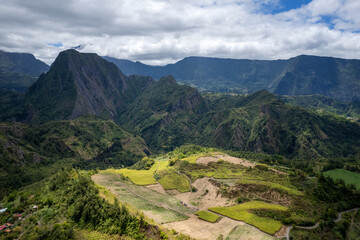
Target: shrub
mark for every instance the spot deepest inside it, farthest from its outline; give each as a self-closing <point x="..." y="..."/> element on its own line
<point x="262" y="167"/>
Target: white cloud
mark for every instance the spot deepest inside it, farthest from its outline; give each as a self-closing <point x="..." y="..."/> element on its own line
<point x="159" y="31"/>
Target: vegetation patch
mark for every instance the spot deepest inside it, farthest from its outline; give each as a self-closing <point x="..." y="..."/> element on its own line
<point x="271" y="185"/>
<point x="345" y="175"/>
<point x="242" y="213"/>
<point x="170" y="179"/>
<point x="140" y="177"/>
<point x="207" y="216"/>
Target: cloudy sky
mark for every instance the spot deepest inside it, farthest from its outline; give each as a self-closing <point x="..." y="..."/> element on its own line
<point x="160" y="32"/>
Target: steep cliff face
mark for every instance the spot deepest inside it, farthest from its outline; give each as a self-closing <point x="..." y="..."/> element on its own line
<point x="81" y="84"/>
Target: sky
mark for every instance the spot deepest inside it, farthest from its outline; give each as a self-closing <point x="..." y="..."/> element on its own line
<point x="159" y="32"/>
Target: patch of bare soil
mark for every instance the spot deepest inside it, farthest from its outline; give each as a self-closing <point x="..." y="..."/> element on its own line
<point x="157" y="187"/>
<point x="277" y="171"/>
<point x="225" y="157"/>
<point x="282" y="232"/>
<point x="200" y="229"/>
<point x="206" y="160"/>
<point x="206" y="195"/>
<point x="235" y="160"/>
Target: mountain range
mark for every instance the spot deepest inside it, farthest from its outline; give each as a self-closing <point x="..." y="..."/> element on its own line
<point x="166" y="114"/>
<point x="301" y="75"/>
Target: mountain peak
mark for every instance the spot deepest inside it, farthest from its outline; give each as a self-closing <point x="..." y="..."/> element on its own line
<point x="79" y="84"/>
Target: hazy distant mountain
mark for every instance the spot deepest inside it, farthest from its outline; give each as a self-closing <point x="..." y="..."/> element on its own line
<point x="302" y="75"/>
<point x="19" y="70"/>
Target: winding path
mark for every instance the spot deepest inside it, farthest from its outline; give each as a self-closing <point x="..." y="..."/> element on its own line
<point x="339" y="217"/>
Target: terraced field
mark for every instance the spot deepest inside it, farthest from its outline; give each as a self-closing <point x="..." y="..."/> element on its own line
<point x="242" y="212"/>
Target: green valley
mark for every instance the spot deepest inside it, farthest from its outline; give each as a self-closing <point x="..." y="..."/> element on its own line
<point x="90" y="153"/>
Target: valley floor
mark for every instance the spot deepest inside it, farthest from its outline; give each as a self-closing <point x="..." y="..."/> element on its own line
<point x="172" y="215"/>
<point x="175" y="210"/>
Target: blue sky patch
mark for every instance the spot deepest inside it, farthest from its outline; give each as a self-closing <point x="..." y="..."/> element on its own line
<point x="274" y="7"/>
<point x="58" y="44"/>
<point x="328" y="19"/>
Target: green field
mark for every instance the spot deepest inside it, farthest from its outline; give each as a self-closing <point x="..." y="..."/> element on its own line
<point x="242" y="213"/>
<point x="170" y="179"/>
<point x="207" y="216"/>
<point x="347" y="176"/>
<point x="140" y="177"/>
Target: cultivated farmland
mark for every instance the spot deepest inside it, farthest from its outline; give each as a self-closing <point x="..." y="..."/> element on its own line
<point x="180" y="186"/>
<point x="242" y="212"/>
